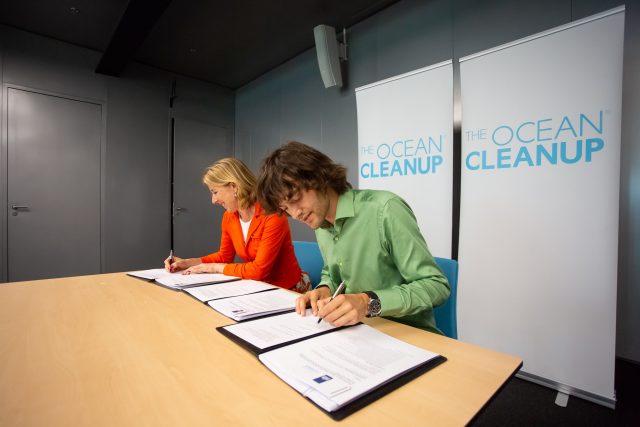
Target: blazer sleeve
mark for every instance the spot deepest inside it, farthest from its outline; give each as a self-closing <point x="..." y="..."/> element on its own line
<point x="273" y="236"/>
<point x="227" y="252"/>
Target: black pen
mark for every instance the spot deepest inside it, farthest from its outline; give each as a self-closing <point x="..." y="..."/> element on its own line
<point x="170" y="259"/>
<point x="335" y="294"/>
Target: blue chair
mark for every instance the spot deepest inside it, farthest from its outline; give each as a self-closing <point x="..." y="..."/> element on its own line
<point x="310" y="259"/>
<point x="446" y="313"/>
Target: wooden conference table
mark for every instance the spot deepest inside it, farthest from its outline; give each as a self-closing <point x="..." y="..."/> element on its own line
<point x="112" y="350"/>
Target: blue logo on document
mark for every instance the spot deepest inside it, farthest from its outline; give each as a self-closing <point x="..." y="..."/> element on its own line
<point x="322" y="379"/>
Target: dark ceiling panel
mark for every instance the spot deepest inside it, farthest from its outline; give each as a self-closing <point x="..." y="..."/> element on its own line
<point x="90" y="24"/>
<point x="228" y="43"/>
<point x="231" y="43"/>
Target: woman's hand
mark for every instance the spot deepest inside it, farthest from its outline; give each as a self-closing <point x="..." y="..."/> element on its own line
<point x="211" y="267"/>
<point x="179" y="264"/>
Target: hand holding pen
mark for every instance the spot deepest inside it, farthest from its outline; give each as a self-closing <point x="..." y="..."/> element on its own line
<point x="338" y="291"/>
<point x="167" y="262"/>
<point x="173" y="263"/>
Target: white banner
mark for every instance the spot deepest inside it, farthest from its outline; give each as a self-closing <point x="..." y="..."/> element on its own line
<point x="539" y="202"/>
<point x="405" y="128"/>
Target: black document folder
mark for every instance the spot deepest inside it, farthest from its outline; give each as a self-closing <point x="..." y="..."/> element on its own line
<point x="340" y="370"/>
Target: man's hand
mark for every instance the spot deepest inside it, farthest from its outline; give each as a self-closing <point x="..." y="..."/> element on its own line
<point x="345" y="309"/>
<point x="312" y="298"/>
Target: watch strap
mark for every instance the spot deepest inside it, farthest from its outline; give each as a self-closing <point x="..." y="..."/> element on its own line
<point x="372" y="295"/>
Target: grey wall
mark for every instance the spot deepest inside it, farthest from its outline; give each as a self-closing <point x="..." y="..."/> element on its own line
<point x="135" y="160"/>
<point x="136" y="219"/>
<point x="290" y="103"/>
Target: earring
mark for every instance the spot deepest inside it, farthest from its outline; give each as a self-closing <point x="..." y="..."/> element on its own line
<point x="235" y="195"/>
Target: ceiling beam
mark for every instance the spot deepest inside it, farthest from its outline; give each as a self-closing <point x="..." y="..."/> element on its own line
<point x="136" y="23"/>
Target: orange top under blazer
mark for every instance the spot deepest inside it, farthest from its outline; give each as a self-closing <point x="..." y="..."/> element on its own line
<point x="268" y="254"/>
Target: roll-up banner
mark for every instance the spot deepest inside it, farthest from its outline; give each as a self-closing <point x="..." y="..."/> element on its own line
<point x="405" y="128"/>
<point x="540" y="175"/>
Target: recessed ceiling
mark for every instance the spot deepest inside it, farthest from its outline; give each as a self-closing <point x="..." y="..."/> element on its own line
<point x="228" y="43"/>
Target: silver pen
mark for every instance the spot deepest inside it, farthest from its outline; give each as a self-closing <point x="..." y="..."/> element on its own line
<point x="335" y="294"/>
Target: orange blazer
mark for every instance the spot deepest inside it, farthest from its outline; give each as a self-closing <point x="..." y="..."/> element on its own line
<point x="268" y="253"/>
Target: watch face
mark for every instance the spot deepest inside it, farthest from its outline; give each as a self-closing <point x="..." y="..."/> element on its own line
<point x="374" y="308"/>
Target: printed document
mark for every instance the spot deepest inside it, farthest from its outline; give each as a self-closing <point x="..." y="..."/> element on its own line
<point x="255" y="305"/>
<point x="337" y="368"/>
<point x="228" y="289"/>
<point x="275" y="330"/>
<point x="178" y="280"/>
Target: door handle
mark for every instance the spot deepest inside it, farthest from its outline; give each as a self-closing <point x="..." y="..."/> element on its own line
<point x="19" y="207"/>
<point x="177" y="210"/>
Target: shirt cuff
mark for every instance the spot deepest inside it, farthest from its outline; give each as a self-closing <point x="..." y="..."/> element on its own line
<point x="390" y="302"/>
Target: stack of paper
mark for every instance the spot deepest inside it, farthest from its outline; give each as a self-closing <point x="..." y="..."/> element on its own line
<point x="333" y="370"/>
<point x="274" y="331"/>
<point x="255" y="305"/>
<point x="228" y="289"/>
<point x="339" y="369"/>
<point x="178" y="280"/>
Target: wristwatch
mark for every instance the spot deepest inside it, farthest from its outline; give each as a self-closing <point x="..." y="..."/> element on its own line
<point x="373" y="308"/>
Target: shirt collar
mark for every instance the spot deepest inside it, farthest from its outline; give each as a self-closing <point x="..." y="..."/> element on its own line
<point x="344" y="209"/>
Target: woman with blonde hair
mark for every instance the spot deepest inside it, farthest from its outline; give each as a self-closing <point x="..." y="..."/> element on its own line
<point x="262" y="241"/>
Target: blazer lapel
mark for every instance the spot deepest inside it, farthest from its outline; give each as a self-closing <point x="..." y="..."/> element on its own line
<point x="257" y="219"/>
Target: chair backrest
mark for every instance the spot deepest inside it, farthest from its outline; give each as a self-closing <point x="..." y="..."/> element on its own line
<point x="310" y="259"/>
<point x="446" y="313"/>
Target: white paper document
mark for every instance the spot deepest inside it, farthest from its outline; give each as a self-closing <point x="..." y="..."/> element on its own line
<point x="255" y="305"/>
<point x="276" y="330"/>
<point x="229" y="289"/>
<point x="178" y="280"/>
<point x="337" y="368"/>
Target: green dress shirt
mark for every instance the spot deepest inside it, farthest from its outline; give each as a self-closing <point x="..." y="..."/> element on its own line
<point x="376" y="245"/>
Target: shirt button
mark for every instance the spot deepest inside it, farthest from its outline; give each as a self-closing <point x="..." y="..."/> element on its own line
<point x="335" y="238"/>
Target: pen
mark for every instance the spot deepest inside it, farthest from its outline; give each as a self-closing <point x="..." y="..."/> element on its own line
<point x="335" y="294"/>
<point x="170" y="259"/>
